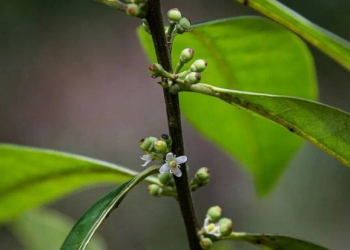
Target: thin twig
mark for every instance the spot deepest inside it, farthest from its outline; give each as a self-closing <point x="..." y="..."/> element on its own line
<point x="155" y="21"/>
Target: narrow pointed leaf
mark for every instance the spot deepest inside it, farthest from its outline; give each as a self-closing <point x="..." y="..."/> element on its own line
<point x="248" y="54"/>
<point x="329" y="43"/>
<point x="274" y="242"/>
<point x="87" y="225"/>
<point x="44" y="229"/>
<point x="33" y="176"/>
<point x="324" y="126"/>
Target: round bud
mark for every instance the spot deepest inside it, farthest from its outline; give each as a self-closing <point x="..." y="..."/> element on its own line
<point x="154" y="190"/>
<point x="203" y="175"/>
<point x="206" y="243"/>
<point x="161" y="146"/>
<point x="214" y="213"/>
<point x="156" y="69"/>
<point x="146" y="143"/>
<point x="225" y="226"/>
<point x="186" y="55"/>
<point x="164" y="178"/>
<point x="167" y="139"/>
<point x="199" y="66"/>
<point x="179" y="29"/>
<point x="174" y="15"/>
<point x="185" y="24"/>
<point x="133" y="9"/>
<point x="193" y="78"/>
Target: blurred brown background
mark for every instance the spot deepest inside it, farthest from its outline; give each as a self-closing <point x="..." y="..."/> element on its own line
<point x="73" y="77"/>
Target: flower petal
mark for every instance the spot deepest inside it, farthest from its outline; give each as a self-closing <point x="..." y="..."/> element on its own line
<point x="146" y="163"/>
<point x="176" y="171"/>
<point x="144" y="157"/>
<point x="170" y="157"/>
<point x="181" y="159"/>
<point x="164" y="168"/>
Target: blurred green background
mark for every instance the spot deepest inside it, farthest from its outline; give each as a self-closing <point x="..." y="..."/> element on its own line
<point x="73" y="77"/>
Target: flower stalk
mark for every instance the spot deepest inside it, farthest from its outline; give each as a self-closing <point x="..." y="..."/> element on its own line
<point x="155" y="21"/>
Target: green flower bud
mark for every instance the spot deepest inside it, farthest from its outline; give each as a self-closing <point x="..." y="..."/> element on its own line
<point x="167" y="139"/>
<point x="161" y="146"/>
<point x="185" y="24"/>
<point x="146" y="143"/>
<point x="206" y="243"/>
<point x="225" y="226"/>
<point x="214" y="213"/>
<point x="156" y="69"/>
<point x="203" y="175"/>
<point x="133" y="9"/>
<point x="165" y="178"/>
<point x="179" y="29"/>
<point x="199" y="66"/>
<point x="155" y="190"/>
<point x="186" y="55"/>
<point x="174" y="15"/>
<point x="193" y="78"/>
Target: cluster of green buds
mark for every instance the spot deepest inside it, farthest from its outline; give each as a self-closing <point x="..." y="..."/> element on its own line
<point x="155" y="148"/>
<point x="190" y="76"/>
<point x="160" y="145"/>
<point x="178" y="24"/>
<point x="201" y="178"/>
<point x="193" y="74"/>
<point x="166" y="186"/>
<point x="136" y="7"/>
<point x="214" y="227"/>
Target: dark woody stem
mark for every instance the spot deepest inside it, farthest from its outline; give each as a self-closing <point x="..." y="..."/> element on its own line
<point x="155" y="21"/>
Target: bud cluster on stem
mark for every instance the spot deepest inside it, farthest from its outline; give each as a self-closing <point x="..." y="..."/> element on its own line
<point x="214" y="227"/>
<point x="189" y="76"/>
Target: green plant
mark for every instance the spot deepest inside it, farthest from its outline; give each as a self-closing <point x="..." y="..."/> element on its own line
<point x="238" y="57"/>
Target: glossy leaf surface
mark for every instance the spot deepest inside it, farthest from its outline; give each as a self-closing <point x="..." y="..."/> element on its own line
<point x="250" y="54"/>
<point x="33" y="176"/>
<point x="84" y="229"/>
<point x="274" y="242"/>
<point x="329" y="43"/>
<point x="45" y="229"/>
<point x="322" y="125"/>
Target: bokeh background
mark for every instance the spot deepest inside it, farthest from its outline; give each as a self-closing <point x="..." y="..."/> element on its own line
<point x="73" y="77"/>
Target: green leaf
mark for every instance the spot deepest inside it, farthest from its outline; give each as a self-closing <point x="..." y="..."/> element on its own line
<point x="87" y="225"/>
<point x="250" y="54"/>
<point x="324" y="126"/>
<point x="329" y="43"/>
<point x="32" y="176"/>
<point x="274" y="242"/>
<point x="45" y="229"/>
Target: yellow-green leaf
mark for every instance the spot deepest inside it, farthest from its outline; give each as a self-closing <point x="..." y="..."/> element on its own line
<point x="81" y="234"/>
<point x="274" y="242"/>
<point x="44" y="229"/>
<point x="322" y="125"/>
<point x="33" y="176"/>
<point x="249" y="54"/>
<point x="329" y="43"/>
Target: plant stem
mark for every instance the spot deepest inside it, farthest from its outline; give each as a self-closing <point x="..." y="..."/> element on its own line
<point x="155" y="21"/>
<point x="115" y="4"/>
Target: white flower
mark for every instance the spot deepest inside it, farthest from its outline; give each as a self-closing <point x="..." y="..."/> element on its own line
<point x="172" y="164"/>
<point x="211" y="228"/>
<point x="147" y="159"/>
